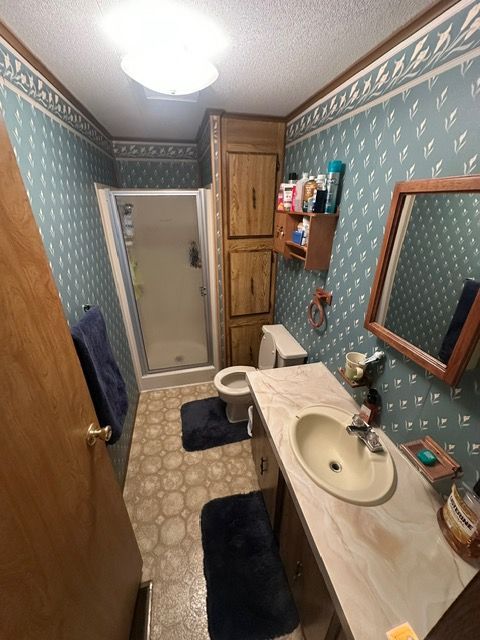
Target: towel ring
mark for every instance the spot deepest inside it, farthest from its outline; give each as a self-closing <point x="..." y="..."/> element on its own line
<point x="316" y="311"/>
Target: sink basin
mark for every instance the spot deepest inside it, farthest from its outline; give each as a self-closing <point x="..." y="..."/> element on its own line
<point x="340" y="463"/>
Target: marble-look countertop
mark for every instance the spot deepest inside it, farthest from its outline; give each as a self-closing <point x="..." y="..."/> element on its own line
<point x="386" y="564"/>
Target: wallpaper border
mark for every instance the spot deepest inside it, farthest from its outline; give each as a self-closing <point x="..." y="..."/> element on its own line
<point x="410" y="61"/>
<point x="138" y="150"/>
<point x="27" y="82"/>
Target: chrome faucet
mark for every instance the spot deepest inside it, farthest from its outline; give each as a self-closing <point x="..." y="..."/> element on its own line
<point x="365" y="433"/>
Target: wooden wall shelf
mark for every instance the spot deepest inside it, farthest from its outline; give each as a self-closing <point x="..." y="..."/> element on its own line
<point x="316" y="254"/>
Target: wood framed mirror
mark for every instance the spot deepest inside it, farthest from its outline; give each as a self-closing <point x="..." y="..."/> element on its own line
<point x="425" y="299"/>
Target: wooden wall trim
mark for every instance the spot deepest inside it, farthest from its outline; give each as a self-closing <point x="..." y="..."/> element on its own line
<point x="384" y="47"/>
<point x="254" y="116"/>
<point x="38" y="65"/>
<point x="206" y="117"/>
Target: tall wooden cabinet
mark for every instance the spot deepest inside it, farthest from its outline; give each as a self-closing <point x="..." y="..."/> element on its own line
<point x="251" y="170"/>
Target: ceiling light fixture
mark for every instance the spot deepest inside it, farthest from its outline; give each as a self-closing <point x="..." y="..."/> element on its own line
<point x="165" y="47"/>
<point x="179" y="74"/>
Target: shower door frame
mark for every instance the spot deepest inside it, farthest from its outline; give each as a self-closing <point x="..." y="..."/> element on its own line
<point x="182" y="374"/>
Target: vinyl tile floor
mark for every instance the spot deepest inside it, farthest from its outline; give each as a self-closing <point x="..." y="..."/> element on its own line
<point x="165" y="490"/>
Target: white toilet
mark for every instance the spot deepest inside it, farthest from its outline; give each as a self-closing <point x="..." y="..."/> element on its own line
<point x="278" y="348"/>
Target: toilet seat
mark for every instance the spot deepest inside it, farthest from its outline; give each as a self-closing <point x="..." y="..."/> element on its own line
<point x="232" y="381"/>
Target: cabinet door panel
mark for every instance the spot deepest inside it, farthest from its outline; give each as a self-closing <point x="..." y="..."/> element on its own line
<point x="245" y="343"/>
<point x="315" y="607"/>
<point x="250" y="277"/>
<point x="251" y="193"/>
<point x="266" y="465"/>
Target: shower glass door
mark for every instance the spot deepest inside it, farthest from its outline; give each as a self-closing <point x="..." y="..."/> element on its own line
<point x="161" y="241"/>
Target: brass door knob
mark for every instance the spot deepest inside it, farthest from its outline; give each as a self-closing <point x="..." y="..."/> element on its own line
<point x="94" y="433"/>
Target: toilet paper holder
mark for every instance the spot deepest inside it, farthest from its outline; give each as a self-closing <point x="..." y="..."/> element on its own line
<point x="316" y="311"/>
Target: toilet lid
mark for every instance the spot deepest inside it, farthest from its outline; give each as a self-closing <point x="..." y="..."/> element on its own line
<point x="267" y="353"/>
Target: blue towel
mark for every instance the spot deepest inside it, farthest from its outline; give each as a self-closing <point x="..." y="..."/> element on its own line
<point x="467" y="298"/>
<point x="105" y="383"/>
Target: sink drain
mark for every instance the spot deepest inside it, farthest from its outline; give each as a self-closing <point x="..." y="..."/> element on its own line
<point x="336" y="467"/>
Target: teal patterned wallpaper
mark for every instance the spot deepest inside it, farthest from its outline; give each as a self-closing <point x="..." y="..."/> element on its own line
<point x="438" y="222"/>
<point x="413" y="114"/>
<point x="156" y="165"/>
<point x="61" y="155"/>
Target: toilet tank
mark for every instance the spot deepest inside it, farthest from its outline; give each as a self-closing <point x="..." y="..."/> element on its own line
<point x="289" y="351"/>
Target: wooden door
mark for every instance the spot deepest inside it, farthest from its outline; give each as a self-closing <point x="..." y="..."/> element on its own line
<point x="251" y="193"/>
<point x="69" y="563"/>
<point x="266" y="465"/>
<point x="250" y="281"/>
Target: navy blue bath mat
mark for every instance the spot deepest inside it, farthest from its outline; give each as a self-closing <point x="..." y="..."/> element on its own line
<point x="248" y="597"/>
<point x="205" y="425"/>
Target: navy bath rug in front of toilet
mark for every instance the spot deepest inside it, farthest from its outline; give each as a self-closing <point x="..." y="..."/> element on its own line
<point x="205" y="425"/>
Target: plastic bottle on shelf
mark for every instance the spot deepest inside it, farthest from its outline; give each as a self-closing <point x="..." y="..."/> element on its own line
<point x="312" y="206"/>
<point x="288" y="188"/>
<point x="334" y="175"/>
<point x="306" y="230"/>
<point x="320" y="201"/>
<point x="297" y="202"/>
<point x="308" y="192"/>
<point x="287" y="197"/>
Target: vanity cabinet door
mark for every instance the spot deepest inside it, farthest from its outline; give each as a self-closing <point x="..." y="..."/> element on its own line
<point x="266" y="465"/>
<point x="315" y="607"/>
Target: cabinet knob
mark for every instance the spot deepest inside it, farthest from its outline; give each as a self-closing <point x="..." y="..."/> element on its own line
<point x="298" y="571"/>
<point x="263" y="465"/>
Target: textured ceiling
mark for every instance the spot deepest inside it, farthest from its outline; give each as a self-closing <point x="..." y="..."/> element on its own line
<point x="279" y="54"/>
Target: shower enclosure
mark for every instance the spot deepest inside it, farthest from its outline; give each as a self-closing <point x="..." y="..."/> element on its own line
<point x="158" y="245"/>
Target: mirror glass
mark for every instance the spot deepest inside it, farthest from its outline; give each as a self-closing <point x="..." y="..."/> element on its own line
<point x="433" y="274"/>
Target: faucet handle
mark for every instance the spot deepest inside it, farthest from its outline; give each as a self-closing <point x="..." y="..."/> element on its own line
<point x="359" y="423"/>
<point x="373" y="441"/>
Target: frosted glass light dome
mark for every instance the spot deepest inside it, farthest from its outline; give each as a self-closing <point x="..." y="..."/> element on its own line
<point x="171" y="72"/>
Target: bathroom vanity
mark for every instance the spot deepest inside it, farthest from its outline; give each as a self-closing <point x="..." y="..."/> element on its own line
<point x="355" y="571"/>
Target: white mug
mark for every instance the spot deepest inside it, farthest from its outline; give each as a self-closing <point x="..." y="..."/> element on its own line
<point x="355" y="365"/>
